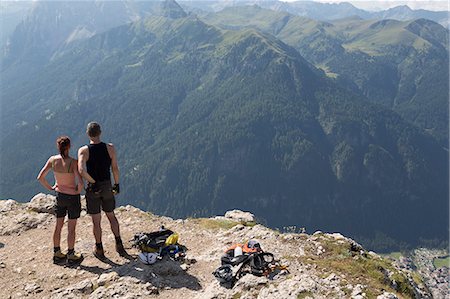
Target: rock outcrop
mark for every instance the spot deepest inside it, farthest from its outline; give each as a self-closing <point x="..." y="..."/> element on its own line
<point x="320" y="266"/>
<point x="240" y="216"/>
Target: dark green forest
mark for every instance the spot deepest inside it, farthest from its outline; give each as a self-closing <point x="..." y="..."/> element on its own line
<point x="207" y="118"/>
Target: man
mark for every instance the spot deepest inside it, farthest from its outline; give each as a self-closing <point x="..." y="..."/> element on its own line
<point x="94" y="164"/>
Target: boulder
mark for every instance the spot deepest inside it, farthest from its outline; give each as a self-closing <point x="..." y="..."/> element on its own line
<point x="22" y="222"/>
<point x="250" y="282"/>
<point x="387" y="295"/>
<point x="7" y="205"/>
<point x="84" y="287"/>
<point x="357" y="292"/>
<point x="240" y="216"/>
<point x="32" y="288"/>
<point x="302" y="286"/>
<point x="42" y="203"/>
<point x="107" y="278"/>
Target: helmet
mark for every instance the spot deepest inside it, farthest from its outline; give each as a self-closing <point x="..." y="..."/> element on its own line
<point x="253" y="244"/>
<point x="148" y="258"/>
<point x="224" y="274"/>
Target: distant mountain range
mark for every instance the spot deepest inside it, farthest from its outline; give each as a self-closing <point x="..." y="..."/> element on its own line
<point x="285" y="116"/>
<point x="14" y="12"/>
<point x="402" y="65"/>
<point x="323" y="11"/>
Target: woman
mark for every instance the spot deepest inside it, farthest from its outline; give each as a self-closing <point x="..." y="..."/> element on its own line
<point x="68" y="185"/>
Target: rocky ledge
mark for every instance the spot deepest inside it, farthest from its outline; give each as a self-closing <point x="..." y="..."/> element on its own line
<point x="321" y="265"/>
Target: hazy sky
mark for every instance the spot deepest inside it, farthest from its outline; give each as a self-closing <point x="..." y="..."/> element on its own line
<point x="378" y="4"/>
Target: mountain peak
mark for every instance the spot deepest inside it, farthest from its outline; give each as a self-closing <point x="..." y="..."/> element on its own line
<point x="401" y="8"/>
<point x="326" y="265"/>
<point x="171" y="9"/>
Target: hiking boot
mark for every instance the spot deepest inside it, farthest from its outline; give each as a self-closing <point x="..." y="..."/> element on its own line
<point x="74" y="258"/>
<point x="59" y="257"/>
<point x="120" y="249"/>
<point x="99" y="253"/>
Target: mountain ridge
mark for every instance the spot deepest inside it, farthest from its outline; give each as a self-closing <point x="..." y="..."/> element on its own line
<point x="207" y="119"/>
<point x="377" y="59"/>
<point x="321" y="265"/>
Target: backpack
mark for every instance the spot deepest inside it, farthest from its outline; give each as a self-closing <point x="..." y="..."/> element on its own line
<point x="224" y="274"/>
<point x="260" y="263"/>
<point x="233" y="261"/>
<point x="248" y="247"/>
<point x="257" y="264"/>
<point x="155" y="241"/>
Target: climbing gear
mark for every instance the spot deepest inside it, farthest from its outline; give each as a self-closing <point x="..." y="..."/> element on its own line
<point x="248" y="247"/>
<point x="238" y="251"/>
<point x="253" y="260"/>
<point x="259" y="263"/>
<point x="224" y="274"/>
<point x="148" y="258"/>
<point x="116" y="189"/>
<point x="163" y="242"/>
<point x="93" y="188"/>
<point x="152" y="242"/>
<point x="252" y="246"/>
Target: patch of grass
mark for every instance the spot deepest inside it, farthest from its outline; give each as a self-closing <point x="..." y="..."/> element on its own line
<point x="249" y="224"/>
<point x="236" y="295"/>
<point x="417" y="278"/>
<point x="305" y="294"/>
<point x="327" y="71"/>
<point x="366" y="270"/>
<point x="441" y="262"/>
<point x="402" y="285"/>
<point x="395" y="255"/>
<point x="215" y="224"/>
<point x="289" y="257"/>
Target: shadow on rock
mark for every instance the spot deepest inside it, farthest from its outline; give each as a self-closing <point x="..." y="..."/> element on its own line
<point x="162" y="274"/>
<point x="93" y="269"/>
<point x="2" y="245"/>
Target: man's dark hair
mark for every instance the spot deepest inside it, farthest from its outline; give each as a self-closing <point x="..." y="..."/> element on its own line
<point x="93" y="129"/>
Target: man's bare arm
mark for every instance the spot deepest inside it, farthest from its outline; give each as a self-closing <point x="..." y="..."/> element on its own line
<point x="83" y="156"/>
<point x="80" y="184"/>
<point x="114" y="164"/>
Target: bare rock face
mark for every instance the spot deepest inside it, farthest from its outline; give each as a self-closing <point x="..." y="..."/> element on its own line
<point x="42" y="203"/>
<point x="14" y="218"/>
<point x="387" y="295"/>
<point x="8" y="205"/>
<point x="84" y="287"/>
<point x="437" y="280"/>
<point x="107" y="278"/>
<point x="240" y="216"/>
<point x="309" y="266"/>
<point x="22" y="222"/>
<point x="292" y="288"/>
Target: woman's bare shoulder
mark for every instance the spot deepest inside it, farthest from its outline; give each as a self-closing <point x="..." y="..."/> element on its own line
<point x="54" y="158"/>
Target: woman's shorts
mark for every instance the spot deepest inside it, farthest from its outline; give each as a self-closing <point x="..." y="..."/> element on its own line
<point x="68" y="204"/>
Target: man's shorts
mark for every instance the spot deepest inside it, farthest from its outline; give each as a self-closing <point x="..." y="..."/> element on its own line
<point x="102" y="200"/>
<point x="67" y="204"/>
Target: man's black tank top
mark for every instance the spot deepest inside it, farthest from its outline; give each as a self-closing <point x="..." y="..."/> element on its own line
<point x="99" y="163"/>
